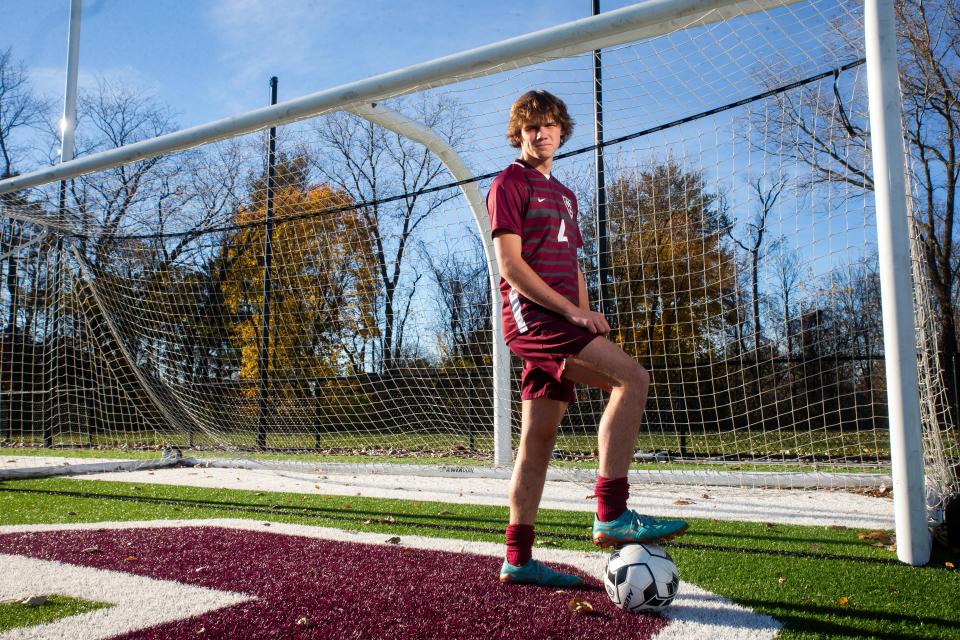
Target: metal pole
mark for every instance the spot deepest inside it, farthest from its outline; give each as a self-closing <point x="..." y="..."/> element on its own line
<point x="394" y="121"/>
<point x="896" y="288"/>
<point x="67" y="128"/>
<point x="603" y="253"/>
<point x="267" y="262"/>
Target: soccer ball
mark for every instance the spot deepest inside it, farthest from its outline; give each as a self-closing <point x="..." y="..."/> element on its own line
<point x="641" y="578"/>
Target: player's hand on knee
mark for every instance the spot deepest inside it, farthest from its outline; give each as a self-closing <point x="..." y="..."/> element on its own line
<point x="592" y="321"/>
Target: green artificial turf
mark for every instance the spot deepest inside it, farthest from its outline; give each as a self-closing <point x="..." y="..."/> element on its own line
<point x="15" y="615"/>
<point x="820" y="582"/>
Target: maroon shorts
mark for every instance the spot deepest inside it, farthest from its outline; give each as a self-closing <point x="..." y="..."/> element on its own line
<point x="544" y="351"/>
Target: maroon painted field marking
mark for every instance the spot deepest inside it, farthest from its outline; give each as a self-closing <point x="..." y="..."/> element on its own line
<point x="335" y="589"/>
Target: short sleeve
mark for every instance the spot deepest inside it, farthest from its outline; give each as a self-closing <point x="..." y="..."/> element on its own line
<point x="506" y="201"/>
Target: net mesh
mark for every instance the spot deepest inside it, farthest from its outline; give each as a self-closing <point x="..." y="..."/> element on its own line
<point x="741" y="271"/>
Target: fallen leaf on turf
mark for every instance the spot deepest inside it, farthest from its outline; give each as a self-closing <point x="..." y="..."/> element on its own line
<point x="949" y="565"/>
<point x="892" y="547"/>
<point x="815" y="547"/>
<point x="34" y="601"/>
<point x="705" y="496"/>
<point x="93" y="549"/>
<point x="578" y="605"/>
<point x="873" y="535"/>
<point x="546" y="543"/>
<point x="781" y="580"/>
<point x="393" y="540"/>
<point x="131" y="559"/>
<point x="367" y="521"/>
<point x="843" y="601"/>
<point x="681" y="503"/>
<point x="302" y="621"/>
<point x="443" y="513"/>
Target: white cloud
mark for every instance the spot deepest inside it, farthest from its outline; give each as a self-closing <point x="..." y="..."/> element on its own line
<point x="257" y="37"/>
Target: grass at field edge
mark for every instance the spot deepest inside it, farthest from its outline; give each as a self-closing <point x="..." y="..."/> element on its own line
<point x="15" y="615"/>
<point x="820" y="582"/>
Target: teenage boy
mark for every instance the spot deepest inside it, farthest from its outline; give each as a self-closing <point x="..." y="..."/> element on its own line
<point x="548" y="323"/>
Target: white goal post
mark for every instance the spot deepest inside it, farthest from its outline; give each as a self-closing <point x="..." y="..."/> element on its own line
<point x="166" y="392"/>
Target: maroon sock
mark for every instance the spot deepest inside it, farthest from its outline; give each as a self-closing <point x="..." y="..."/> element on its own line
<point x="611" y="497"/>
<point x="519" y="543"/>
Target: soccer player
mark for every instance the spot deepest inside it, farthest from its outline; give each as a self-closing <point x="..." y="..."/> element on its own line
<point x="548" y="323"/>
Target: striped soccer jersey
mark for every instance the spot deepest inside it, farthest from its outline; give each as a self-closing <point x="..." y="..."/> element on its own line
<point x="543" y="213"/>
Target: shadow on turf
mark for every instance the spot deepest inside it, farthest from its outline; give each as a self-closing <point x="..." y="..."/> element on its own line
<point x="427" y="522"/>
<point x="357" y="517"/>
<point x="798" y="618"/>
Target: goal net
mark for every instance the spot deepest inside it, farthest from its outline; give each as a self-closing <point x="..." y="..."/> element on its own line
<point x="336" y="308"/>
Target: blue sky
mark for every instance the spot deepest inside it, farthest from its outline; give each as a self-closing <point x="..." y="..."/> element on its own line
<point x="209" y="59"/>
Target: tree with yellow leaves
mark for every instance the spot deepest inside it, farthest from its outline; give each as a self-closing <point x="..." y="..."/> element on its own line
<point x="675" y="279"/>
<point x="323" y="284"/>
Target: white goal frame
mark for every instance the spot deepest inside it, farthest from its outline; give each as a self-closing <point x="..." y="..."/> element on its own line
<point x="643" y="20"/>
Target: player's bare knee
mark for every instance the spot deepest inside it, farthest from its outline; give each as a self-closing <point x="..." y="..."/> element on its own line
<point x="538" y="441"/>
<point x="637" y="380"/>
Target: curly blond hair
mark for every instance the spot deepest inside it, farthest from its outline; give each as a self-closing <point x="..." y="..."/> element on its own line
<point x="538" y="106"/>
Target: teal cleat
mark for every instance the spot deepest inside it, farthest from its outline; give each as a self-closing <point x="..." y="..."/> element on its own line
<point x="631" y="527"/>
<point x="535" y="572"/>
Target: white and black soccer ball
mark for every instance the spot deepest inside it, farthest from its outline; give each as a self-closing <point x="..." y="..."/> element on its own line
<point x="641" y="578"/>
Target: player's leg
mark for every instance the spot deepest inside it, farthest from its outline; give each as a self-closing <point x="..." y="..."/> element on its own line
<point x="538" y="434"/>
<point x="602" y="364"/>
<point x="540" y="419"/>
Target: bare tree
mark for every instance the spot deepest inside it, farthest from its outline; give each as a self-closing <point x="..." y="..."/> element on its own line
<point x="930" y="65"/>
<point x="20" y="109"/>
<point x="112" y="116"/>
<point x="373" y="164"/>
<point x="827" y="131"/>
<point x="767" y="197"/>
<point x="463" y="301"/>
<point x="787" y="279"/>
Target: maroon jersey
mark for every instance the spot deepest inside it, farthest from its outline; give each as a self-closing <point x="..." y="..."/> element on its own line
<point x="543" y="213"/>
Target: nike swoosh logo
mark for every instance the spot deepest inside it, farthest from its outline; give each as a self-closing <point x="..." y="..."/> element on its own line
<point x="541" y="199"/>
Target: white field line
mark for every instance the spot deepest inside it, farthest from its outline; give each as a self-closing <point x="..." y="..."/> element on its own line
<point x="696" y="614"/>
<point x="138" y="602"/>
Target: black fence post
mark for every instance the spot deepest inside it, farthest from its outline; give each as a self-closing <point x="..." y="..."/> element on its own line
<point x="264" y="362"/>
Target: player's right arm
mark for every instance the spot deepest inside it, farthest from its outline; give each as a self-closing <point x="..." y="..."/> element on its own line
<point x="521" y="276"/>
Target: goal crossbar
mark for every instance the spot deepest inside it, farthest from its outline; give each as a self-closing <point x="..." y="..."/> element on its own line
<point x="636" y="22"/>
